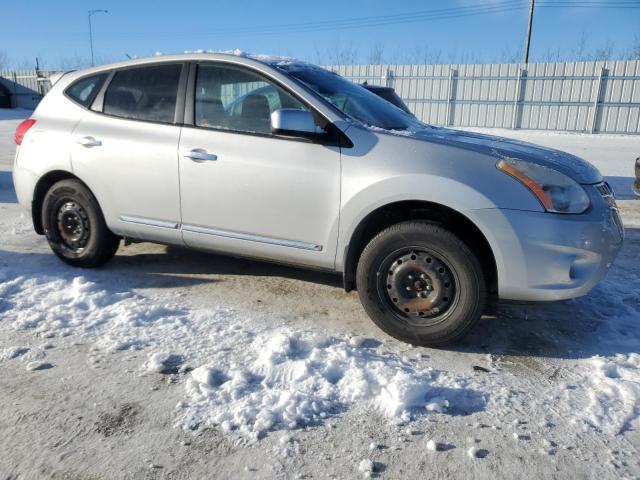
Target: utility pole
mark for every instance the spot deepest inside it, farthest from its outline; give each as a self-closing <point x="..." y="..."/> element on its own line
<point x="528" y="42"/>
<point x="89" y="15"/>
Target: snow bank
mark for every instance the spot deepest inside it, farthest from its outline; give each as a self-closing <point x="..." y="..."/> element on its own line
<point x="614" y="396"/>
<point x="59" y="307"/>
<point x="251" y="378"/>
<point x="290" y="379"/>
<point x="366" y="466"/>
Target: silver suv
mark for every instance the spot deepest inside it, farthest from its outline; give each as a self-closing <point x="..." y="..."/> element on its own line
<point x="284" y="161"/>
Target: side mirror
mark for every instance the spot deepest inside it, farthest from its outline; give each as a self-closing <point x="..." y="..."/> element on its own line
<point x="293" y="122"/>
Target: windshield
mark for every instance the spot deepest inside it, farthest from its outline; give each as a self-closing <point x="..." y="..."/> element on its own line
<point x="351" y="99"/>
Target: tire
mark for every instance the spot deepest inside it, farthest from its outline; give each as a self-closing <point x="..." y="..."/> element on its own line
<point x="74" y="225"/>
<point x="421" y="284"/>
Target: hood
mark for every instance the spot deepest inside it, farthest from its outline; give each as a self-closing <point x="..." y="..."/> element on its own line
<point x="500" y="147"/>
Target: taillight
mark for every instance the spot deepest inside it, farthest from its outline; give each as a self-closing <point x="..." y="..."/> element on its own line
<point x="22" y="129"/>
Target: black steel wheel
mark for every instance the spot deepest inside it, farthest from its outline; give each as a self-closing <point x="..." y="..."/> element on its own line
<point x="421" y="284"/>
<point x="74" y="225"/>
<point x="418" y="285"/>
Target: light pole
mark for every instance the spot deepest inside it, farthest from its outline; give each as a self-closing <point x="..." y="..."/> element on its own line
<point x="90" y="14"/>
<point x="527" y="43"/>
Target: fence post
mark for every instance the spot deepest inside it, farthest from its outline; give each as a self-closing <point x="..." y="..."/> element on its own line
<point x="596" y="101"/>
<point x="516" y="99"/>
<point x="15" y="89"/>
<point x="450" y="97"/>
<point x="387" y="78"/>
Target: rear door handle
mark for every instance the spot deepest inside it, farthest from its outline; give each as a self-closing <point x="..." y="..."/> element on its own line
<point x="89" y="142"/>
<point x="200" y="155"/>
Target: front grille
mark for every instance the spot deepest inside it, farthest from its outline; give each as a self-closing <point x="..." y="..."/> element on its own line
<point x="604" y="189"/>
<point x="617" y="223"/>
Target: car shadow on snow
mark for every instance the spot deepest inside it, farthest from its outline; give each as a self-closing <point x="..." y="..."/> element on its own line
<point x="115" y="277"/>
<point x="7" y="192"/>
<point x="180" y="261"/>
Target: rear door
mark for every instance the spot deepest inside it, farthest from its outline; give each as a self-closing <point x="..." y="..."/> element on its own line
<point x="245" y="190"/>
<point x="125" y="149"/>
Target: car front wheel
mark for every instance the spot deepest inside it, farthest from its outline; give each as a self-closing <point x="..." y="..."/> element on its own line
<point x="421" y="284"/>
<point x="75" y="227"/>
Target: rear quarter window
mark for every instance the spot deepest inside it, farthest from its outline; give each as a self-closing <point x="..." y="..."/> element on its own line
<point x="83" y="91"/>
<point x="144" y="93"/>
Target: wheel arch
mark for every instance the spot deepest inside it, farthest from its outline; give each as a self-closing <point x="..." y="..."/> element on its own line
<point x="42" y="187"/>
<point x="399" y="211"/>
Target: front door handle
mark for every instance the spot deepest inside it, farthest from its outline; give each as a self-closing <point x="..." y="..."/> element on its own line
<point x="89" y="142"/>
<point x="200" y="155"/>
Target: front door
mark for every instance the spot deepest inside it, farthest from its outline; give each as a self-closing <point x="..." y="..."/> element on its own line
<point x="246" y="191"/>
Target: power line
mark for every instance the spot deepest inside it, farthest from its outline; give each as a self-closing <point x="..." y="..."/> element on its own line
<point x="360" y="22"/>
<point x="594" y="4"/>
<point x="394" y="19"/>
<point x="353" y="23"/>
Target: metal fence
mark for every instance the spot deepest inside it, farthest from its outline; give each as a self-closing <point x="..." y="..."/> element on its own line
<point x="27" y="87"/>
<point x="579" y="96"/>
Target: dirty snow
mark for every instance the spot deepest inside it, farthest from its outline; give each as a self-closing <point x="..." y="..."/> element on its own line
<point x="555" y="381"/>
<point x="366" y="466"/>
<point x="284" y="379"/>
<point x="291" y="379"/>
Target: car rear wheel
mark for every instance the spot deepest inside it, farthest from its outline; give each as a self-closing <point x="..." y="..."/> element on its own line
<point x="75" y="227"/>
<point x="421" y="284"/>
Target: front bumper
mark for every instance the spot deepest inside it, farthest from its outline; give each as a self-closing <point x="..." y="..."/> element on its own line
<point x="544" y="257"/>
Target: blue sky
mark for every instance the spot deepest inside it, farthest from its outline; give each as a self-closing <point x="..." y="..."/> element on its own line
<point x="57" y="32"/>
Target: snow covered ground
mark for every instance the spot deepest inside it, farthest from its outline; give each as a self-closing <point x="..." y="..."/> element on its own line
<point x="174" y="364"/>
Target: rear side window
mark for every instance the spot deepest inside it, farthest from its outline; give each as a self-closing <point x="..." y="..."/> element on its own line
<point x="144" y="93"/>
<point x="85" y="90"/>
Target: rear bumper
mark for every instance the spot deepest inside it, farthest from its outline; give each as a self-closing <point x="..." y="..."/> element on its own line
<point x="24" y="181"/>
<point x="545" y="257"/>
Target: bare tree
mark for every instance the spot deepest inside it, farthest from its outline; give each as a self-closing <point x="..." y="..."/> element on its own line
<point x="343" y="54"/>
<point x="579" y="52"/>
<point x="4" y="60"/>
<point x="603" y="52"/>
<point x="633" y="52"/>
<point x="510" y="54"/>
<point x="553" y="55"/>
<point x="339" y="54"/>
<point x="376" y="55"/>
<point x="423" y="55"/>
<point x="319" y="56"/>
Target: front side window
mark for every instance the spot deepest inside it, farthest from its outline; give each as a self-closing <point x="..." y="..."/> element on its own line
<point x="144" y="93"/>
<point x="231" y="98"/>
<point x="83" y="91"/>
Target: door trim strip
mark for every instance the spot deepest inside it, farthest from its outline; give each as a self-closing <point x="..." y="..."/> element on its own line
<point x="252" y="238"/>
<point x="149" y="222"/>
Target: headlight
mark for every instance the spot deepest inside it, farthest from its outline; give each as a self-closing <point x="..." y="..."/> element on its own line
<point x="556" y="192"/>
